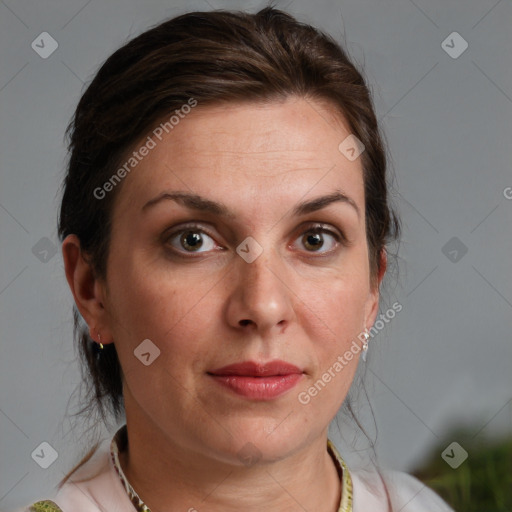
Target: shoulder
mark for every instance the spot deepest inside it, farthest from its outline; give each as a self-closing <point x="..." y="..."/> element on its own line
<point x="94" y="487"/>
<point x="373" y="490"/>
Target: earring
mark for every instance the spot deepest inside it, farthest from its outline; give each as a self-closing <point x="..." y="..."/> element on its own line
<point x="99" y="342"/>
<point x="365" y="344"/>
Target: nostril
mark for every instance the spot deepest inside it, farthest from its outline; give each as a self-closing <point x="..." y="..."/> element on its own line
<point x="244" y="322"/>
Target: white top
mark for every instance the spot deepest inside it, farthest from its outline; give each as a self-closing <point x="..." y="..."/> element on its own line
<point x="96" y="487"/>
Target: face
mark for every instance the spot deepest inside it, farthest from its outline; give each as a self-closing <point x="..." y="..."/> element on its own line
<point x="222" y="253"/>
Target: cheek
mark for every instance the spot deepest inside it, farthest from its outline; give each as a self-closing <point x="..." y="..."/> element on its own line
<point x="175" y="317"/>
<point x="169" y="307"/>
<point x="335" y="305"/>
<point x="334" y="318"/>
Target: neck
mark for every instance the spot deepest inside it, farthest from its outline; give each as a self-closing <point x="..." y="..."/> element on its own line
<point x="168" y="477"/>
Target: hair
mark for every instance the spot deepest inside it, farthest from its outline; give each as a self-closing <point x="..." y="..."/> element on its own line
<point x="213" y="58"/>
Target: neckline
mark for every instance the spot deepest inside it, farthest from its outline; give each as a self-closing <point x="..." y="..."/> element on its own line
<point x="119" y="443"/>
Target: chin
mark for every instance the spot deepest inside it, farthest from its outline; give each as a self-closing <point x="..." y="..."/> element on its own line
<point x="255" y="441"/>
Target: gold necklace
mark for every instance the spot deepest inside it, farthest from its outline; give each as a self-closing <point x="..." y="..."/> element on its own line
<point x="120" y="442"/>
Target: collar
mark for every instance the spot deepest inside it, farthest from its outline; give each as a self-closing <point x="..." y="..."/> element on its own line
<point x="119" y="443"/>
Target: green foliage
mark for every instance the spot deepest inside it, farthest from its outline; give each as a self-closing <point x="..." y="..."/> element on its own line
<point x="482" y="483"/>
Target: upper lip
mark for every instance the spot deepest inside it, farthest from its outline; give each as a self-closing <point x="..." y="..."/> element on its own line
<point x="254" y="369"/>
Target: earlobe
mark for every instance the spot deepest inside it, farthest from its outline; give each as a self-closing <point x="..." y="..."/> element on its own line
<point x="85" y="287"/>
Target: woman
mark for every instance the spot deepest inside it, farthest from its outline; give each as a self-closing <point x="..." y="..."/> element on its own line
<point x="224" y="224"/>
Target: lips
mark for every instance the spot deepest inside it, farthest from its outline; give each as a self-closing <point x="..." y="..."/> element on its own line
<point x="258" y="381"/>
<point x="252" y="369"/>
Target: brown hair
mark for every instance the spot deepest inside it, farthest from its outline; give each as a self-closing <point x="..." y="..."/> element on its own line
<point x="212" y="57"/>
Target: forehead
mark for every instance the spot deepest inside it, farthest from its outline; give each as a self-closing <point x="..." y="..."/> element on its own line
<point x="268" y="153"/>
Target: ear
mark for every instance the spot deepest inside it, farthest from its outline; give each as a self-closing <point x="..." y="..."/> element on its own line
<point x="372" y="305"/>
<point x="88" y="291"/>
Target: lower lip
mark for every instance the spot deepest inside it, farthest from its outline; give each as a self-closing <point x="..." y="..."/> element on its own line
<point x="259" y="388"/>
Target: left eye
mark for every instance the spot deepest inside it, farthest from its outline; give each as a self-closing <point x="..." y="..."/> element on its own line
<point x="192" y="240"/>
<point x="319" y="240"/>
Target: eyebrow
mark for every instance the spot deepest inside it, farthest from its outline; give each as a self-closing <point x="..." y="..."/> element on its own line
<point x="321" y="202"/>
<point x="196" y="202"/>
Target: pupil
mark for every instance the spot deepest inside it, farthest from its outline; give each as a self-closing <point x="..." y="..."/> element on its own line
<point x="192" y="240"/>
<point x="314" y="241"/>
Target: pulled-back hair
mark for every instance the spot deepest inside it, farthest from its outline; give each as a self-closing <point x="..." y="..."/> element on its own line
<point x="210" y="57"/>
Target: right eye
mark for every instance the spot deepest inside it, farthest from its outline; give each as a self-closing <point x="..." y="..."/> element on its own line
<point x="191" y="240"/>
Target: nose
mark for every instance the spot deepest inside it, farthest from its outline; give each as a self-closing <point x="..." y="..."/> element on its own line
<point x="260" y="300"/>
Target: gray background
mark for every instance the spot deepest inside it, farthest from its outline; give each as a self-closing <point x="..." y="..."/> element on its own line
<point x="444" y="360"/>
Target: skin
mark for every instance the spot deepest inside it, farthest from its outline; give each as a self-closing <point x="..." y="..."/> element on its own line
<point x="210" y="308"/>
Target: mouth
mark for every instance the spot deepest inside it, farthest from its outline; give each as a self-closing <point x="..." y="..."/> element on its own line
<point x="258" y="381"/>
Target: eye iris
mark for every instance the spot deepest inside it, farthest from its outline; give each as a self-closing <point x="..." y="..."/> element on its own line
<point x="191" y="240"/>
<point x="313" y="241"/>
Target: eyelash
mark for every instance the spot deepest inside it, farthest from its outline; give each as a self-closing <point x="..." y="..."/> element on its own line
<point x="315" y="228"/>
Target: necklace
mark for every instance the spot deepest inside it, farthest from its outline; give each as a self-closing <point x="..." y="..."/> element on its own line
<point x="120" y="442"/>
